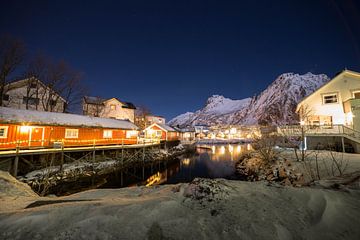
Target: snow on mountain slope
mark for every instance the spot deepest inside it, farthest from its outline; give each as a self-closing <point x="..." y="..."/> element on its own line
<point x="217" y="104"/>
<point x="215" y="111"/>
<point x="275" y="105"/>
<point x="182" y="119"/>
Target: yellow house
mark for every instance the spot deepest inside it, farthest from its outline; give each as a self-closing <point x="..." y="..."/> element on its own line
<point x="335" y="103"/>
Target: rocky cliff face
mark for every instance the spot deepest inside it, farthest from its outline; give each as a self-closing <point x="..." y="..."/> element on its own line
<point x="275" y="105"/>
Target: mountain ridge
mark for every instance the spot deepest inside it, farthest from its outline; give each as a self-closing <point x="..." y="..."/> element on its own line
<point x="276" y="104"/>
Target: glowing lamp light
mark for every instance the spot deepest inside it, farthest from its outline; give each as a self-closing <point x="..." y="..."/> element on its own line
<point x="302" y="122"/>
<point x="233" y="131"/>
<point x="349" y="117"/>
<point x="25" y="129"/>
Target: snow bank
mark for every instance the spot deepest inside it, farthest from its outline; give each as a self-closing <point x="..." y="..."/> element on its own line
<point x="203" y="209"/>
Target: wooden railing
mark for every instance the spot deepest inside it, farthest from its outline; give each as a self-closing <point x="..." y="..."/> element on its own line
<point x="322" y="130"/>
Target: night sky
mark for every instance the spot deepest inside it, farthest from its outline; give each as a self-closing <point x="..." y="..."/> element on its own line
<point x="172" y="55"/>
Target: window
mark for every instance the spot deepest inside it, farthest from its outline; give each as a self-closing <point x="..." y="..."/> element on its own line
<point x="53" y="103"/>
<point x="356" y="94"/>
<point x="33" y="85"/>
<point x="3" y="131"/>
<point x="113" y="107"/>
<point x="6" y="97"/>
<point x="107" y="134"/>
<point x="131" y="134"/>
<point x="30" y="100"/>
<point x="158" y="133"/>
<point x="71" y="133"/>
<point x="330" y="98"/>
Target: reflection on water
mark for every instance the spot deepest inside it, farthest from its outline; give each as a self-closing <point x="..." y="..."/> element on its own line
<point x="212" y="161"/>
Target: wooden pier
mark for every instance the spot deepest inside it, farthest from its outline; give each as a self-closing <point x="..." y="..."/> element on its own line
<point x="125" y="154"/>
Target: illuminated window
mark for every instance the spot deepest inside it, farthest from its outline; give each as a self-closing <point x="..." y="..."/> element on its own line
<point x="71" y="133"/>
<point x="131" y="134"/>
<point x="113" y="107"/>
<point x="158" y="133"/>
<point x="107" y="134"/>
<point x="330" y="98"/>
<point x="3" y="131"/>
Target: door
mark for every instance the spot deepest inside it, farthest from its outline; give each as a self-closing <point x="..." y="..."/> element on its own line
<point x="36" y="137"/>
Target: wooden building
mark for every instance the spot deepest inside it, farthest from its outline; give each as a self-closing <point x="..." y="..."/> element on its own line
<point x="28" y="129"/>
<point x="162" y="132"/>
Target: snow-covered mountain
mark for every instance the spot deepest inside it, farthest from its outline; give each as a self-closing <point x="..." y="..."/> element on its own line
<point x="275" y="105"/>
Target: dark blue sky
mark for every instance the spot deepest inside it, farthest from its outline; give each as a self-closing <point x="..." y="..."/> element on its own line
<point x="172" y="55"/>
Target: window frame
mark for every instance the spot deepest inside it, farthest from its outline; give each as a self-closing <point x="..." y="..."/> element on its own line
<point x="131" y="133"/>
<point x="156" y="133"/>
<point x="336" y="94"/>
<point x="6" y="128"/>
<point x="27" y="100"/>
<point x="106" y="133"/>
<point x="6" y="97"/>
<point x="71" y="129"/>
<point x="113" y="107"/>
<point x="353" y="92"/>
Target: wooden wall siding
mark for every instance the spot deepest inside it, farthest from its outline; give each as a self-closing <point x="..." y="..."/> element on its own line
<point x="170" y="135"/>
<point x="45" y="136"/>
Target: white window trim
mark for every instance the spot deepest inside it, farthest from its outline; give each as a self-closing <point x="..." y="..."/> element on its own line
<point x="330" y="94"/>
<point x="131" y="133"/>
<point x="72" y="130"/>
<point x="106" y="133"/>
<point x="355" y="91"/>
<point x="157" y="133"/>
<point x="5" y="131"/>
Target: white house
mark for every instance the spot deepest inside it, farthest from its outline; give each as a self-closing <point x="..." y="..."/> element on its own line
<point x="108" y="108"/>
<point x="32" y="94"/>
<point x="335" y="103"/>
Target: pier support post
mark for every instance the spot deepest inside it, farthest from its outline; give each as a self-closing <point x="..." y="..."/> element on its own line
<point x="343" y="144"/>
<point x="16" y="162"/>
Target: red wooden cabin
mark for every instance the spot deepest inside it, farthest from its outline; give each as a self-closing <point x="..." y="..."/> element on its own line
<point x="162" y="132"/>
<point x="27" y="129"/>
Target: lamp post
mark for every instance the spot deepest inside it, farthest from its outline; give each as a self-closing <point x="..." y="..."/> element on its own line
<point x="302" y="144"/>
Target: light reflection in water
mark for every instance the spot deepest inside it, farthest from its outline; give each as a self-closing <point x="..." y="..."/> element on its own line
<point x="212" y="161"/>
<point x="185" y="162"/>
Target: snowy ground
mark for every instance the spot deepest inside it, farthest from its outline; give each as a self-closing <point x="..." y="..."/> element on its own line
<point x="349" y="162"/>
<point x="203" y="209"/>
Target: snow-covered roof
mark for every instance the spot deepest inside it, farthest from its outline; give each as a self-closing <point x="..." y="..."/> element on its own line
<point x="162" y="126"/>
<point x="10" y="115"/>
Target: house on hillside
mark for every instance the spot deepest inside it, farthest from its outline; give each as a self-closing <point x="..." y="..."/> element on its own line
<point x="330" y="116"/>
<point x="108" y="108"/>
<point x="161" y="132"/>
<point x="335" y="103"/>
<point x="32" y="94"/>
